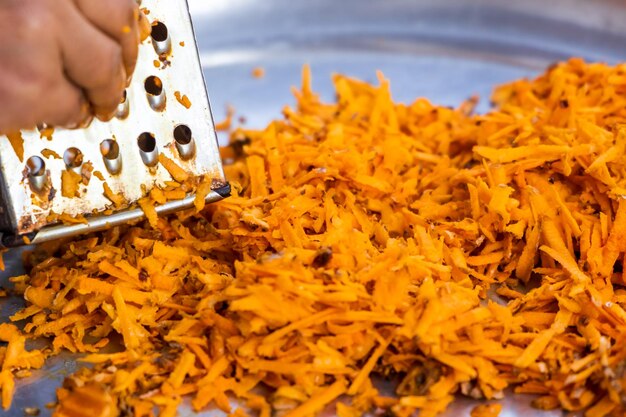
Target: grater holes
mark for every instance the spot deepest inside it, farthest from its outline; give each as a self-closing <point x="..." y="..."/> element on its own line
<point x="110" y="149"/>
<point x="146" y="142"/>
<point x="36" y="166"/>
<point x="154" y="85"/>
<point x="160" y="38"/>
<point x="159" y="32"/>
<point x="123" y="108"/>
<point x="182" y="134"/>
<point x="73" y="158"/>
<point x="155" y="93"/>
<point x="36" y="169"/>
<point x="148" y="149"/>
<point x="184" y="141"/>
<point x="111" y="156"/>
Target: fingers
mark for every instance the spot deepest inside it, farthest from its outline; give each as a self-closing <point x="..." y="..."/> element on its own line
<point x="94" y="62"/>
<point x="144" y="27"/>
<point x="69" y="108"/>
<point x="118" y="19"/>
<point x="59" y="103"/>
<point x="81" y="62"/>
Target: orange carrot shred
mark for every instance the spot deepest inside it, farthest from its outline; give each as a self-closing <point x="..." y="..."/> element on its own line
<point x="462" y="253"/>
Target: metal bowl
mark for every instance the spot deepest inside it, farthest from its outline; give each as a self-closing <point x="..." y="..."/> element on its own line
<point x="446" y="50"/>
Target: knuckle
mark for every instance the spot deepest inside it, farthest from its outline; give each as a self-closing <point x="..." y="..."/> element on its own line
<point x="36" y="84"/>
<point x="28" y="21"/>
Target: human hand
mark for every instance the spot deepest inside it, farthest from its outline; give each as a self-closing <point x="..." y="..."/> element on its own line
<point x="62" y="61"/>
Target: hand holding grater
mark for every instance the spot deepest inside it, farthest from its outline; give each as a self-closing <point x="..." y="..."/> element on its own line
<point x="97" y="174"/>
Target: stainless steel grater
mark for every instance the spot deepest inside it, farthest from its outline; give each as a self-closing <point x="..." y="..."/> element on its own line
<point x="166" y="111"/>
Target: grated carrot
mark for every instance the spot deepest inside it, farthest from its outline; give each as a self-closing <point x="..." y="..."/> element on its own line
<point x="70" y="182"/>
<point x="174" y="169"/>
<point x="49" y="153"/>
<point x="227" y="123"/>
<point x="182" y="99"/>
<point x="258" y="72"/>
<point x="362" y="240"/>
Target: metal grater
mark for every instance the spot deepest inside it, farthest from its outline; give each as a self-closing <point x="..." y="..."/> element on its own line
<point x="153" y="119"/>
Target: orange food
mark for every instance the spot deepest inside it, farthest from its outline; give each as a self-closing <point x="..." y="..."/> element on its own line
<point x="227" y="123"/>
<point x="70" y="182"/>
<point x="149" y="210"/>
<point x="69" y="219"/>
<point x="98" y="175"/>
<point x="49" y="153"/>
<point x="117" y="199"/>
<point x="182" y="99"/>
<point x="17" y="143"/>
<point x="91" y="400"/>
<point x="46" y="133"/>
<point x="486" y="410"/>
<point x="179" y="174"/>
<point x="258" y="72"/>
<point x="362" y="239"/>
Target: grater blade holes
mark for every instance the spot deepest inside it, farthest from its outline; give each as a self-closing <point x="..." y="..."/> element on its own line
<point x="146" y="142"/>
<point x="148" y="149"/>
<point x="109" y="149"/>
<point x="154" y="85"/>
<point x="161" y="38"/>
<point x="155" y="93"/>
<point x="159" y="31"/>
<point x="111" y="156"/>
<point x="184" y="141"/>
<point x="36" y="166"/>
<point x="123" y="108"/>
<point x="73" y="158"/>
<point x="36" y="169"/>
<point x="182" y="134"/>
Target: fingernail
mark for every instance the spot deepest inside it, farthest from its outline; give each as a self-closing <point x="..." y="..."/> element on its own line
<point x="102" y="117"/>
<point x="105" y="117"/>
<point x="84" y="117"/>
<point x="100" y="114"/>
<point x="86" y="121"/>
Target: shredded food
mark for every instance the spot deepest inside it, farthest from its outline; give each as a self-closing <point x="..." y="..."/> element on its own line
<point x="258" y="72"/>
<point x="227" y="123"/>
<point x="17" y="143"/>
<point x="182" y="99"/>
<point x="486" y="410"/>
<point x="46" y="132"/>
<point x="49" y="153"/>
<point x="453" y="253"/>
<point x="70" y="183"/>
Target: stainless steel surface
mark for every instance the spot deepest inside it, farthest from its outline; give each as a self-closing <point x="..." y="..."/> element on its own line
<point x="446" y="50"/>
<point x="168" y="65"/>
<point x="98" y="223"/>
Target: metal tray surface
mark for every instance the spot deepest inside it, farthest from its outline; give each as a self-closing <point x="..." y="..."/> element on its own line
<point x="446" y="50"/>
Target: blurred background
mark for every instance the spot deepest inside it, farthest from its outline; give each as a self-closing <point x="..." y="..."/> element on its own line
<point x="446" y="50"/>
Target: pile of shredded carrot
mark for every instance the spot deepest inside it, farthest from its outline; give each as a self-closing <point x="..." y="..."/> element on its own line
<point x="453" y="253"/>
